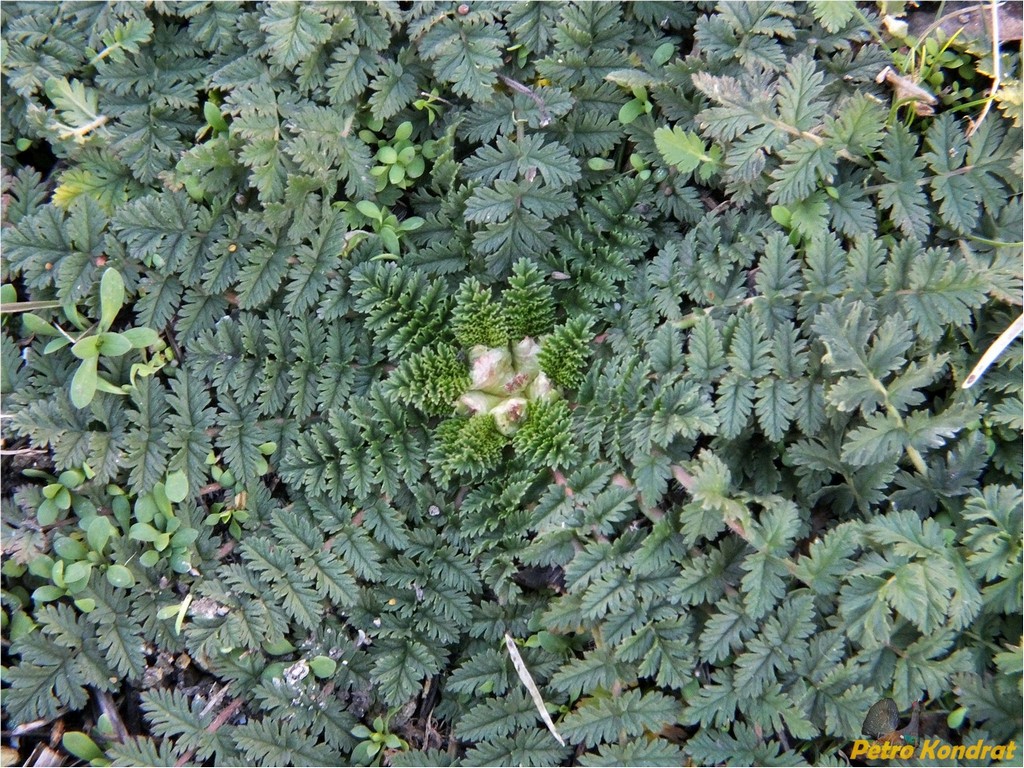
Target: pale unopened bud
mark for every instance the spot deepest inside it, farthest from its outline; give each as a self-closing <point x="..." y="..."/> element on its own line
<point x="491" y="371"/>
<point x="474" y="402"/>
<point x="476" y="352"/>
<point x="516" y="383"/>
<point x="509" y="415"/>
<point x="541" y="388"/>
<point x="526" y="356"/>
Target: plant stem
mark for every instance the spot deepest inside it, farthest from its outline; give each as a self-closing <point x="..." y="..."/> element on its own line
<point x="996" y="70"/>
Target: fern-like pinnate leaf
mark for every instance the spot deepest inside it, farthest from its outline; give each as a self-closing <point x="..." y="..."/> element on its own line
<point x="455" y="355"/>
<point x="160" y="230"/>
<point x="274" y="742"/>
<point x="902" y="194"/>
<point x="508" y="161"/>
<point x="596" y="720"/>
<point x="294" y="31"/>
<point x="465" y="53"/>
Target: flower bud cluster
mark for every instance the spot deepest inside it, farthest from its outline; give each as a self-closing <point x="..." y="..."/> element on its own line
<point x="503" y="380"/>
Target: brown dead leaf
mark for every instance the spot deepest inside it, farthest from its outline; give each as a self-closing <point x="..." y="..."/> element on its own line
<point x="44" y="757"/>
<point x="906" y="90"/>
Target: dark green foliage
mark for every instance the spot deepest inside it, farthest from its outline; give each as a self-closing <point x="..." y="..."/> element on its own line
<point x="432" y="380"/>
<point x="471" y="445"/>
<point x="654" y="366"/>
<point x="527" y="303"/>
<point x="477" y="318"/>
<point x="565" y="352"/>
<point x="545" y="437"/>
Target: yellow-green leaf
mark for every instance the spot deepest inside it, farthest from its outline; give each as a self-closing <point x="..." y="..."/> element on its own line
<point x="111" y="297"/>
<point x="683" y="149"/>
<point x="83" y="385"/>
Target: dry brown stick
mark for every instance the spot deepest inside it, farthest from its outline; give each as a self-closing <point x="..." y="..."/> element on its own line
<point x="217" y="722"/>
<point x="109" y="708"/>
<point x="226" y="549"/>
<point x="682" y="477"/>
<point x="215" y="699"/>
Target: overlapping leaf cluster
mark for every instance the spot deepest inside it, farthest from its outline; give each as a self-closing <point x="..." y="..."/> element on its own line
<point x="771" y="502"/>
